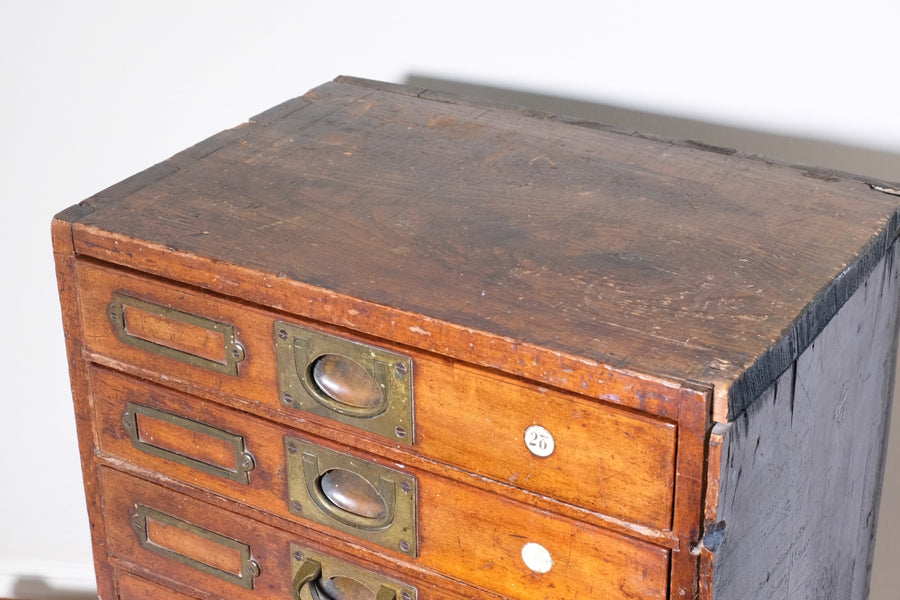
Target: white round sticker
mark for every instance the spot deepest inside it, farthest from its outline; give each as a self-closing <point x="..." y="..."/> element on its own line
<point x="539" y="441"/>
<point x="537" y="558"/>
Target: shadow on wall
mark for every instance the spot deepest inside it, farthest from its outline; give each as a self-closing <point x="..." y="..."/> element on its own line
<point x="879" y="165"/>
<point x="36" y="588"/>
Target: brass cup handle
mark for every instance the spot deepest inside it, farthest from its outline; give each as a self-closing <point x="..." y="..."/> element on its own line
<point x="357" y="387"/>
<point x="368" y="500"/>
<point x="344" y="380"/>
<point x="381" y="494"/>
<point x="307" y="587"/>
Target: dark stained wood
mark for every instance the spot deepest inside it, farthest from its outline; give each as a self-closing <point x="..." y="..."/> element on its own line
<point x="656" y="258"/>
<point x="800" y="472"/>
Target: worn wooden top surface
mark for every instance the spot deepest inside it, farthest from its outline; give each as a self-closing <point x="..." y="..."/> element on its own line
<point x="664" y="259"/>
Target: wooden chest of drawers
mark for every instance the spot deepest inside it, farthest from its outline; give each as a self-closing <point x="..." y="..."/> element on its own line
<point x="384" y="343"/>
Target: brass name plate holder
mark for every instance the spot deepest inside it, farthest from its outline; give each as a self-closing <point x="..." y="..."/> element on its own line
<point x="352" y="495"/>
<point x="223" y="356"/>
<point x="364" y="386"/>
<point x="238" y="471"/>
<point x="187" y="537"/>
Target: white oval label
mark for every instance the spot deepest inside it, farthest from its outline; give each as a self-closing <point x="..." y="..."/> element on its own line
<point x="539" y="441"/>
<point x="537" y="558"/>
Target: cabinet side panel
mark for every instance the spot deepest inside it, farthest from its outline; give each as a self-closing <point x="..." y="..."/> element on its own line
<point x="71" y="315"/>
<point x="800" y="479"/>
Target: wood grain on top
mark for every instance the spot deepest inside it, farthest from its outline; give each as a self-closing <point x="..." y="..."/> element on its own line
<point x="658" y="258"/>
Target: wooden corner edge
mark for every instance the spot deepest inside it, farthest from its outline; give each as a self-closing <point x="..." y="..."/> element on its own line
<point x="61" y="226"/>
<point x="720" y="401"/>
<point x="713" y="529"/>
<point x="61" y="236"/>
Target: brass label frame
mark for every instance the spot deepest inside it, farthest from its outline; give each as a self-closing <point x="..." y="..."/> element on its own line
<point x="296" y="350"/>
<point x="396" y="530"/>
<point x="308" y="567"/>
<point x="243" y="459"/>
<point x="249" y="567"/>
<point x="233" y="350"/>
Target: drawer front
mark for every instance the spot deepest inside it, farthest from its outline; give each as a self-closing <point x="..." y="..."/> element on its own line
<point x="586" y="453"/>
<point x="171" y="539"/>
<point x="132" y="587"/>
<point x="457" y="530"/>
<point x="509" y="548"/>
<point x="581" y="452"/>
<point x="191" y="543"/>
<point x="181" y="334"/>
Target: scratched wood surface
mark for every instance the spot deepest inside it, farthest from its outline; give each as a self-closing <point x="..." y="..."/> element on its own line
<point x="536" y="269"/>
<point x="674" y="261"/>
<point x="801" y="470"/>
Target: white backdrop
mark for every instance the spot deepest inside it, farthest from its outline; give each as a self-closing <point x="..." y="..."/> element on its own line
<point x="91" y="92"/>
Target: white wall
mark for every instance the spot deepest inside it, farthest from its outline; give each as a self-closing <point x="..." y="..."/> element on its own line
<point x="91" y="92"/>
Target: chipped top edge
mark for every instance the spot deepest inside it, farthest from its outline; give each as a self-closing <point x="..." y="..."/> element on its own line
<point x="467" y="100"/>
<point x="753" y="382"/>
<point x="284" y="109"/>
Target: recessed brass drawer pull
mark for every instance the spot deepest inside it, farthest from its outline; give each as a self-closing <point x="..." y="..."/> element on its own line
<point x="352" y="495"/>
<point x="353" y="383"/>
<point x="187" y="442"/>
<point x="174" y="334"/>
<point x="317" y="576"/>
<point x="348" y="385"/>
<point x="207" y="551"/>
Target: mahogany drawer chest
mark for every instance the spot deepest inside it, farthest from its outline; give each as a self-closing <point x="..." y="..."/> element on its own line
<point x="385" y="343"/>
